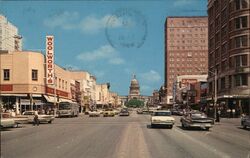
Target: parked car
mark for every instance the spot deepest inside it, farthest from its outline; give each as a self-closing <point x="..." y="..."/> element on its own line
<point x="124" y="112"/>
<point x="162" y="118"/>
<point x="196" y="119"/>
<point x="42" y="118"/>
<point x="139" y="111"/>
<point x="94" y="113"/>
<point x="108" y="112"/>
<point x="116" y="111"/>
<point x="245" y="121"/>
<point x="7" y="121"/>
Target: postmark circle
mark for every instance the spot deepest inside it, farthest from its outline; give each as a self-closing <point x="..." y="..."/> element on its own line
<point x="126" y="28"/>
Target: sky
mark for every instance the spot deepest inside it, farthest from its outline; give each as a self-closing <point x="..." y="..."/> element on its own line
<point x="112" y="40"/>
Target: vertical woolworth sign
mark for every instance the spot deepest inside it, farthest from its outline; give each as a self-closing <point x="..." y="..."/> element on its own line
<point x="50" y="72"/>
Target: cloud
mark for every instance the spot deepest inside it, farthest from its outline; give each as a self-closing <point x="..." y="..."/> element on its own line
<point x="92" y="24"/>
<point x="151" y="76"/>
<point x="65" y="20"/>
<point x="88" y="25"/>
<point x="116" y="61"/>
<point x="105" y="52"/>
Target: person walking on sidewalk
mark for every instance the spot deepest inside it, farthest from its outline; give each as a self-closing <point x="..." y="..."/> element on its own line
<point x="218" y="115"/>
<point x="36" y="120"/>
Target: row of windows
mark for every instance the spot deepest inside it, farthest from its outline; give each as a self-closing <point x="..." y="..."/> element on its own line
<point x="185" y="65"/>
<point x="189" y="28"/>
<point x="188" y="47"/>
<point x="236" y="42"/>
<point x="235" y="5"/>
<point x="60" y="83"/>
<point x="186" y="59"/>
<point x="34" y="76"/>
<point x="6" y="75"/>
<point x="189" y="54"/>
<point x="188" y="41"/>
<point x="233" y="81"/>
<point x="233" y="62"/>
<point x="203" y="35"/>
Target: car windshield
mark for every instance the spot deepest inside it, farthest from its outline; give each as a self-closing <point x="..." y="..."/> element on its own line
<point x="198" y="115"/>
<point x="28" y="113"/>
<point x="162" y="113"/>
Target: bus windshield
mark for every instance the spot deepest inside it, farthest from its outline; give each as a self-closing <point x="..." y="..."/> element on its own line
<point x="64" y="106"/>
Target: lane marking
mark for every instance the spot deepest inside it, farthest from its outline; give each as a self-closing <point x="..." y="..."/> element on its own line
<point x="206" y="146"/>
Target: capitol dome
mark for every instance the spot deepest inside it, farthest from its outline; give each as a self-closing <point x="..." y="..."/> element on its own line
<point x="134" y="88"/>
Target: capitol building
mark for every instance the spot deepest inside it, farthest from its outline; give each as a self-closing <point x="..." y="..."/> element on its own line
<point x="134" y="92"/>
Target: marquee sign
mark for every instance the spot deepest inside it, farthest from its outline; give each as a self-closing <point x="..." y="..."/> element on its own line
<point x="50" y="72"/>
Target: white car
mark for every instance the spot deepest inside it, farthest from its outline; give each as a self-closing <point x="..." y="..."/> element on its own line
<point x="7" y="121"/>
<point x="94" y="113"/>
<point x="41" y="117"/>
<point x="162" y="118"/>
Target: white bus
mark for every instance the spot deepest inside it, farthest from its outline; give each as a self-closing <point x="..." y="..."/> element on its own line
<point x="69" y="109"/>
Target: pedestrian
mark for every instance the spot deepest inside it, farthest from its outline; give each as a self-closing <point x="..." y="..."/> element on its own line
<point x="36" y="120"/>
<point x="218" y="115"/>
<point x="228" y="113"/>
<point x="233" y="112"/>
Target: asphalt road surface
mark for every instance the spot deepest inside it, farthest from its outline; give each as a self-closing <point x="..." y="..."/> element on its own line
<point x="123" y="137"/>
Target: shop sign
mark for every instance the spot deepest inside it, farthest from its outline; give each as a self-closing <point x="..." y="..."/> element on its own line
<point x="50" y="60"/>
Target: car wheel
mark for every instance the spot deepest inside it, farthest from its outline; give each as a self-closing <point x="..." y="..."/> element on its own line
<point x="171" y="126"/>
<point x="152" y="125"/>
<point x="50" y="121"/>
<point x="207" y="128"/>
<point x="244" y="126"/>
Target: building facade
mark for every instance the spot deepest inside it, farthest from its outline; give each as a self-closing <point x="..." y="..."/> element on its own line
<point x="23" y="84"/>
<point x="229" y="53"/>
<point x="186" y="47"/>
<point x="188" y="90"/>
<point x="9" y="38"/>
<point x="134" y="89"/>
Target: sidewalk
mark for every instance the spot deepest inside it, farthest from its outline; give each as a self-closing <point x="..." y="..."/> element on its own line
<point x="230" y="121"/>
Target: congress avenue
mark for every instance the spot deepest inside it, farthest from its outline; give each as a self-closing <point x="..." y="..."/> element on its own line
<point x="124" y="137"/>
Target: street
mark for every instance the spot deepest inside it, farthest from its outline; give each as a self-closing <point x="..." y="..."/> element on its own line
<point x="123" y="137"/>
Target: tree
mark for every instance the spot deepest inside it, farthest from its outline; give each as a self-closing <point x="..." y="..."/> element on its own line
<point x="135" y="103"/>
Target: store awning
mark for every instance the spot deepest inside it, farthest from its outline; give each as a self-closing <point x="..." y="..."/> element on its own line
<point x="65" y="100"/>
<point x="36" y="95"/>
<point x="14" y="95"/>
<point x="50" y="99"/>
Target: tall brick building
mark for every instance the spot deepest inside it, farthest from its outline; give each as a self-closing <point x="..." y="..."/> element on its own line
<point x="186" y="49"/>
<point x="229" y="53"/>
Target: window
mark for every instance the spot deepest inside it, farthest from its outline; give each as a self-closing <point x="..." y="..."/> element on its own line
<point x="6" y="74"/>
<point x="62" y="84"/>
<point x="222" y="83"/>
<point x="34" y="75"/>
<point x="241" y="22"/>
<point x="229" y="81"/>
<point x="241" y="60"/>
<point x="240" y="4"/>
<point x="241" y="80"/>
<point x="59" y="83"/>
<point x="241" y="41"/>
